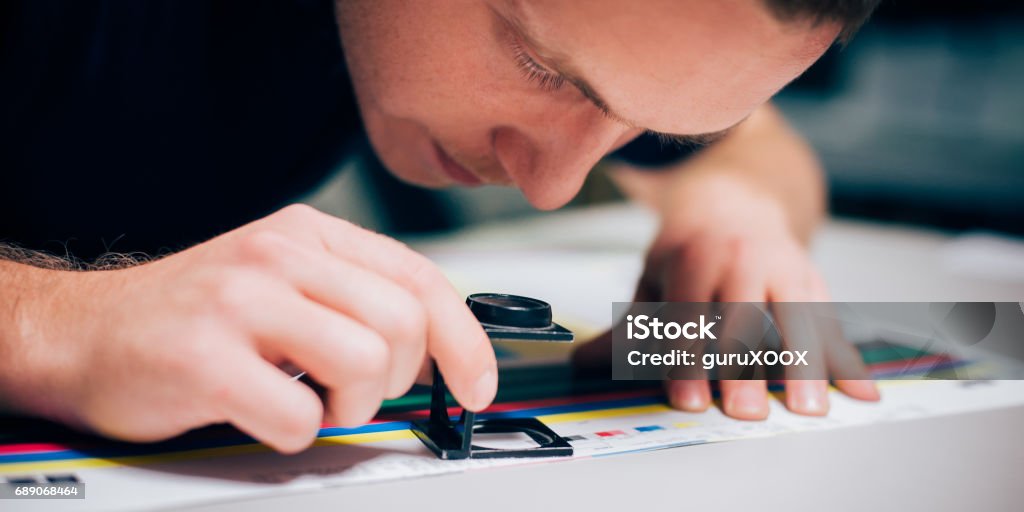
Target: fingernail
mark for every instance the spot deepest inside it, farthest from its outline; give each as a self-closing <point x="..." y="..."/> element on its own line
<point x="686" y="396"/>
<point x="873" y="393"/>
<point x="747" y="402"/>
<point x="484" y="390"/>
<point x="807" y="399"/>
<point x="693" y="401"/>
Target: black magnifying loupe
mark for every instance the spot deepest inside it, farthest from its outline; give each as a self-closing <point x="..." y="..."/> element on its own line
<point x="516" y="318"/>
<point x="505" y="318"/>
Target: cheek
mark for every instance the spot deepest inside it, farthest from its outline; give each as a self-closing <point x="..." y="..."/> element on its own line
<point x="424" y="73"/>
<point x="404" y="149"/>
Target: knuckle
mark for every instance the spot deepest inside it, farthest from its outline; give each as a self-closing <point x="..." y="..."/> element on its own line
<point x="409" y="325"/>
<point x="262" y="241"/>
<point x="375" y="356"/>
<point x="297" y="216"/>
<point x="298" y="212"/>
<point x="369" y="357"/>
<point x="199" y="352"/>
<point x="265" y="247"/>
<point x="231" y="293"/>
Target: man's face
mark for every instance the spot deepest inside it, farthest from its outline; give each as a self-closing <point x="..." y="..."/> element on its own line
<point x="534" y="93"/>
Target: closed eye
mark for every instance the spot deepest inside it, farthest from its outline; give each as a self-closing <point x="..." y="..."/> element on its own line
<point x="551" y="80"/>
<point x="533" y="72"/>
<point x="687" y="141"/>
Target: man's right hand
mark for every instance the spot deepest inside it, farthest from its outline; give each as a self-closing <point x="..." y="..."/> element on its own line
<point x="147" y="352"/>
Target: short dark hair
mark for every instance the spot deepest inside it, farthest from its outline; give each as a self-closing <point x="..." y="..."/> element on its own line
<point x="851" y="14"/>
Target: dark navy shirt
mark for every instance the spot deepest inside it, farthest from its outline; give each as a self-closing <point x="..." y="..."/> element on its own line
<point x="151" y="125"/>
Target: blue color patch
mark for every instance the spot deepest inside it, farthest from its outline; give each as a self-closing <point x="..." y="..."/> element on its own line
<point x="649" y="428"/>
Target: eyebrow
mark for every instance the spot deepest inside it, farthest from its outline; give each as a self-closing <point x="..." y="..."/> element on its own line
<point x="561" y="64"/>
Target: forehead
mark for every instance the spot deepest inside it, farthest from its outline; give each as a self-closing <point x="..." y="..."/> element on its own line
<point x="677" y="66"/>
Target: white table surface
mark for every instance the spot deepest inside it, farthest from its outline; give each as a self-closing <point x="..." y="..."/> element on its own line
<point x="963" y="462"/>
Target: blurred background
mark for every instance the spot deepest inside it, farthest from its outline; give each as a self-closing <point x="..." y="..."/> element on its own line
<point x="919" y="120"/>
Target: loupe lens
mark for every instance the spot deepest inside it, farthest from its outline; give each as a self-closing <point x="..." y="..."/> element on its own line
<point x="510" y="310"/>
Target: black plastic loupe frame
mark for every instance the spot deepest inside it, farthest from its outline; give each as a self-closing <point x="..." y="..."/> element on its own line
<point x="507" y="318"/>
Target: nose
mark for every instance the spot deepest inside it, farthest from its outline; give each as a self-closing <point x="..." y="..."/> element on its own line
<point x="549" y="154"/>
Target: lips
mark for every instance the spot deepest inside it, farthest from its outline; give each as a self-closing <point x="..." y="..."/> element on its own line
<point x="455" y="171"/>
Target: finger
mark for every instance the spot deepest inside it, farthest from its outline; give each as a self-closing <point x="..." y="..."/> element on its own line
<point x="806" y="384"/>
<point x="742" y="290"/>
<point x="352" y="404"/>
<point x="692" y="273"/>
<point x="843" y="358"/>
<point x="791" y="284"/>
<point x="860" y="389"/>
<point x="689" y="395"/>
<point x="807" y="397"/>
<point x="350" y="360"/>
<point x="846" y="364"/>
<point x="455" y="338"/>
<point x="426" y="374"/>
<point x="804" y="328"/>
<point x="264" y="402"/>
<point x="744" y="281"/>
<point x="377" y="303"/>
<point x="745" y="399"/>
